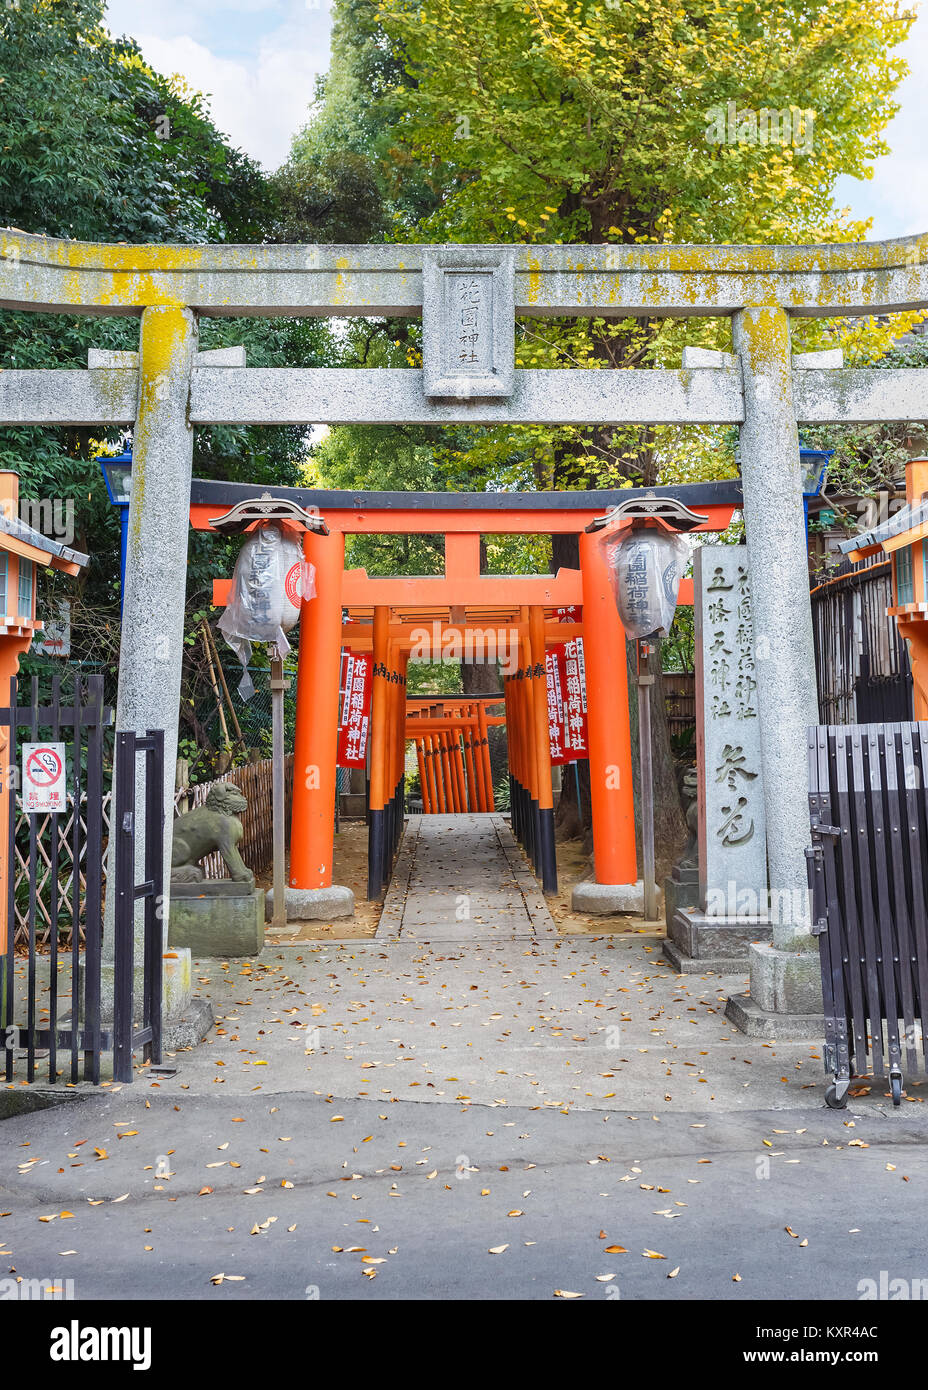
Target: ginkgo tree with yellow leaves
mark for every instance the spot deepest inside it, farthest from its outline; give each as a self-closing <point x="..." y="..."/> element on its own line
<point x="645" y="121"/>
<point x="633" y="122"/>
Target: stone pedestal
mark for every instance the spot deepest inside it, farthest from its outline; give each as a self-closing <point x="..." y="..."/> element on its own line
<point x="315" y="904"/>
<point x="601" y="899"/>
<point x="185" y="1020"/>
<point x="697" y="942"/>
<point x="681" y="890"/>
<point x="217" y="918"/>
<point x="785" y="999"/>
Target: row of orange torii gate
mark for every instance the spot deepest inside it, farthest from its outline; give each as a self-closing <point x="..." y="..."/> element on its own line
<point x="453" y="752"/>
<point x="386" y="616"/>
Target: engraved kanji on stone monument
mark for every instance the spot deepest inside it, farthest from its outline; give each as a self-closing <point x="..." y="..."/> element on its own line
<point x="732" y="837"/>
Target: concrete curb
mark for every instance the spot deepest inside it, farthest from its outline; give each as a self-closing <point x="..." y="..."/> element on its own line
<point x="391" y="916"/>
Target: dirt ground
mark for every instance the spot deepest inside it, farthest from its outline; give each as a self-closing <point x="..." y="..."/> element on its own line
<point x="573" y="866"/>
<point x="350" y="869"/>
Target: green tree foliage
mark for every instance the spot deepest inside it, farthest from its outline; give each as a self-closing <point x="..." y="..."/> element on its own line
<point x="93" y="139"/>
<point x="582" y="121"/>
<point x="347" y="178"/>
<point x="95" y="145"/>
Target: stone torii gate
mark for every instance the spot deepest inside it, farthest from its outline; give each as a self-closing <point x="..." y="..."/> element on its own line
<point x="469" y="297"/>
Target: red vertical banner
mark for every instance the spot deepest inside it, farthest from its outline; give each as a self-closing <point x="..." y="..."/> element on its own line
<point x="354" y="717"/>
<point x="566" y="682"/>
<point x="572" y="613"/>
<point x="575" y="730"/>
<point x="555" y="688"/>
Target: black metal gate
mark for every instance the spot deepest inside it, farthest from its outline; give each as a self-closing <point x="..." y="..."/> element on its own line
<point x="868" y="872"/>
<point x="147" y="1035"/>
<point x="53" y="891"/>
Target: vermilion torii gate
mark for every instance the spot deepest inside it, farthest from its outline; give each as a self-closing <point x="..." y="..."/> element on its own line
<point x="453" y="756"/>
<point x="389" y="616"/>
<point x="166" y="389"/>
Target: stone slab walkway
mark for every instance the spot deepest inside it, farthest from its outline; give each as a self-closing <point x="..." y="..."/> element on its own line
<point x="462" y="878"/>
<point x="574" y="1023"/>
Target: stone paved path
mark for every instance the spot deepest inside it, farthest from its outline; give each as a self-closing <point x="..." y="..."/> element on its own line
<point x="462" y="878"/>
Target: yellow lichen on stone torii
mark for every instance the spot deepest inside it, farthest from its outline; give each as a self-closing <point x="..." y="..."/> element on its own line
<point x="43" y="273"/>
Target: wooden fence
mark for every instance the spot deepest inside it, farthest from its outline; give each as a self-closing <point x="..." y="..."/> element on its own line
<point x="680" y="700"/>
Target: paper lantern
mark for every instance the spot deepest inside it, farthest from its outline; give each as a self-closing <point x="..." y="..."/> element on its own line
<point x="646" y="566"/>
<point x="270" y="581"/>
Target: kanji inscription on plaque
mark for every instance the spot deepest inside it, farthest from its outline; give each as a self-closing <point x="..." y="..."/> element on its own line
<point x="468" y="321"/>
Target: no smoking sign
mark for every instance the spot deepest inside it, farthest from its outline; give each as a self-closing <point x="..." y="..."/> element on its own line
<point x="43" y="780"/>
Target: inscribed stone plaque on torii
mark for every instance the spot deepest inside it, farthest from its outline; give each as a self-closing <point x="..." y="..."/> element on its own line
<point x="732" y="828"/>
<point x="468" y="321"/>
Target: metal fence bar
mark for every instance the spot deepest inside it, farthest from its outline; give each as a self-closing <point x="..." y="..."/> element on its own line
<point x="824" y="899"/>
<point x="868" y="918"/>
<point x="53" y="905"/>
<point x="33" y="836"/>
<point x="879" y="849"/>
<point x="93" y="890"/>
<point x="9" y="981"/>
<point x="75" y="894"/>
<point x="854" y="955"/>
<point x="123" y="828"/>
<point x="899" y="926"/>
<point x="154" y="884"/>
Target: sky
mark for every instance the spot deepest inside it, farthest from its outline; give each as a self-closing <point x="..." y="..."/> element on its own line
<point x="259" y="59"/>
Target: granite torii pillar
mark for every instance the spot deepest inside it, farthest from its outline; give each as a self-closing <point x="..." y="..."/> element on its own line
<point x="785" y="997"/>
<point x="154" y="598"/>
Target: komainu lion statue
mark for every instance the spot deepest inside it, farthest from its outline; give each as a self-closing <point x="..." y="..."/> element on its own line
<point x="209" y="828"/>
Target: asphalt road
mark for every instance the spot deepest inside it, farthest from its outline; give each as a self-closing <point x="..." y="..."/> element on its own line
<point x="372" y="1200"/>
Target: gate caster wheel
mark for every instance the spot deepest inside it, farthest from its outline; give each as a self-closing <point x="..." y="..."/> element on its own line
<point x="833" y="1100"/>
<point x="895" y="1086"/>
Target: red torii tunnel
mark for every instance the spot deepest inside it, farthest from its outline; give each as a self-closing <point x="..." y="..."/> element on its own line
<point x="387" y="616"/>
<point x="452" y="750"/>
